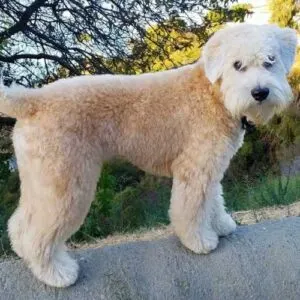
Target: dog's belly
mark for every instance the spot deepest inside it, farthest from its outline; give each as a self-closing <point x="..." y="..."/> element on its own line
<point x="151" y="158"/>
<point x="159" y="168"/>
<point x="153" y="151"/>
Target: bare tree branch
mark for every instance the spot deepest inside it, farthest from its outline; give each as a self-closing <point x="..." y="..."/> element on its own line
<point x="25" y="17"/>
<point x="50" y="37"/>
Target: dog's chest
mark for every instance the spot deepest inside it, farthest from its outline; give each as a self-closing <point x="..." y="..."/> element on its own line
<point x="214" y="156"/>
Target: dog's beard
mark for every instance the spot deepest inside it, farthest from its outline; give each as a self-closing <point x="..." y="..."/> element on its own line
<point x="258" y="113"/>
<point x="261" y="113"/>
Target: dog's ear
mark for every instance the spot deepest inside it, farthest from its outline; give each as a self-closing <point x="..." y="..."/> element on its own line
<point x="287" y="38"/>
<point x="213" y="57"/>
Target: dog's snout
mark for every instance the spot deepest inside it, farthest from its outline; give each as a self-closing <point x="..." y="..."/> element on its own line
<point x="260" y="94"/>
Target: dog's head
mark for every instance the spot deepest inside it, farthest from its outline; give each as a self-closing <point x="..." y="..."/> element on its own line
<point x="252" y="62"/>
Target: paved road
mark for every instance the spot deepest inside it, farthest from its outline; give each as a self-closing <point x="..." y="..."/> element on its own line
<point x="259" y="261"/>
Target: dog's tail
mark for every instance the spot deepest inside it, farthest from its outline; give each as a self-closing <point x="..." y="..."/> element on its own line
<point x="17" y="101"/>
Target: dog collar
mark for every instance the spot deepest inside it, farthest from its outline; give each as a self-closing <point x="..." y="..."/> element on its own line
<point x="246" y="125"/>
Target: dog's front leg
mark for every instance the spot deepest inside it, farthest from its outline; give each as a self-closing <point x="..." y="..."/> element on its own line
<point x="222" y="222"/>
<point x="191" y="212"/>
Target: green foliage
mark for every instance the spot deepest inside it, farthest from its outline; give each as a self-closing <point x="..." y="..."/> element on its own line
<point x="166" y="45"/>
<point x="9" y="196"/>
<point x="236" y="13"/>
<point x="283" y="13"/>
<point x="126" y="199"/>
<point x="143" y="205"/>
<point x="256" y="157"/>
<point x="9" y="188"/>
<point x="248" y="194"/>
<point x="294" y="77"/>
<point x="173" y="43"/>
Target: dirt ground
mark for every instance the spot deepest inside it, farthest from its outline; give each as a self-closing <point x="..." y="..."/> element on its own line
<point x="267" y="213"/>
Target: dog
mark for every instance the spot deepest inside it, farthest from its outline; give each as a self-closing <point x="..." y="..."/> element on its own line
<point x="185" y="123"/>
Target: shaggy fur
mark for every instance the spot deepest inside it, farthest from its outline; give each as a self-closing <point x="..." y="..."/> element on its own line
<point x="184" y="123"/>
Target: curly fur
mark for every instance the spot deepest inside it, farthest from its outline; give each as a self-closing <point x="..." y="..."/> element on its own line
<point x="183" y="123"/>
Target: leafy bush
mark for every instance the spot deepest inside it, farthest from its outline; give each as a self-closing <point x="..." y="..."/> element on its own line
<point x="265" y="191"/>
<point x="9" y="196"/>
<point x="125" y="203"/>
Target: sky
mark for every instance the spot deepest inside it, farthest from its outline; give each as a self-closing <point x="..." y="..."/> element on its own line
<point x="261" y="14"/>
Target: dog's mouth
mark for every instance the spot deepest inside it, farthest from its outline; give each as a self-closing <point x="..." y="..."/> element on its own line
<point x="258" y="114"/>
<point x="247" y="125"/>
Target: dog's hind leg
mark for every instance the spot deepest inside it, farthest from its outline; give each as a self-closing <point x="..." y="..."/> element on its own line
<point x="56" y="193"/>
<point x="222" y="222"/>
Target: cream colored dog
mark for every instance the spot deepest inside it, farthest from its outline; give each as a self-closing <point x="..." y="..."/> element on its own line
<point x="184" y="123"/>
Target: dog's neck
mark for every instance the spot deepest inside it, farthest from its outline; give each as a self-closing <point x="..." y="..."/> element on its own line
<point x="242" y="124"/>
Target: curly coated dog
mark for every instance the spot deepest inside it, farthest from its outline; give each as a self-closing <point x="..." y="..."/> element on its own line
<point x="183" y="123"/>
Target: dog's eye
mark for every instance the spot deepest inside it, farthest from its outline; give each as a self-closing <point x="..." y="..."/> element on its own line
<point x="271" y="58"/>
<point x="267" y="65"/>
<point x="238" y="66"/>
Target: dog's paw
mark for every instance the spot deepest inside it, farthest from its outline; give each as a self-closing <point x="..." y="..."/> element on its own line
<point x="224" y="225"/>
<point x="201" y="242"/>
<point x="59" y="272"/>
<point x="16" y="232"/>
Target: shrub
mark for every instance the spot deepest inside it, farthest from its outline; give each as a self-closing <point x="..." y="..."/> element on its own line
<point x="264" y="191"/>
<point x="9" y="196"/>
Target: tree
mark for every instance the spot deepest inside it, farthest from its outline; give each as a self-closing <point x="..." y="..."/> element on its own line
<point x="285" y="13"/>
<point x="80" y="36"/>
<point x="174" y="43"/>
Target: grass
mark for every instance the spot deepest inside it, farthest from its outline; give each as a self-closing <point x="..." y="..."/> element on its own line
<point x="127" y="200"/>
<point x="265" y="191"/>
<point x="143" y="204"/>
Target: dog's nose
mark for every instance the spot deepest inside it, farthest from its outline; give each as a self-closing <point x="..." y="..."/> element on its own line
<point x="260" y="94"/>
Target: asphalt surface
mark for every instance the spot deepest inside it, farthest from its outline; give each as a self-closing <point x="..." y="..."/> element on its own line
<point x="259" y="261"/>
